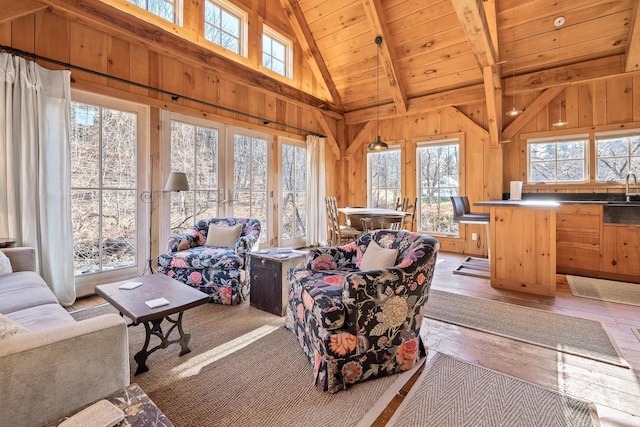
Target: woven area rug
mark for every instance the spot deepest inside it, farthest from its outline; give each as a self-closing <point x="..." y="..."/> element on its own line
<point x="246" y="369"/>
<point x="605" y="290"/>
<point x="568" y="334"/>
<point x="636" y="332"/>
<point x="452" y="393"/>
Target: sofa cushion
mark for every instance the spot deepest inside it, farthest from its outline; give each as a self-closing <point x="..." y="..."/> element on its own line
<point x="45" y="316"/>
<point x="5" y="264"/>
<point x="22" y="290"/>
<point x="321" y="293"/>
<point x="377" y="258"/>
<point x="9" y="328"/>
<point x="203" y="257"/>
<point x="224" y="236"/>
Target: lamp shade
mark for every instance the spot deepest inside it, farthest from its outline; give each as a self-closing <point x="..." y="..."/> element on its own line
<point x="177" y="181"/>
<point x="378" y="145"/>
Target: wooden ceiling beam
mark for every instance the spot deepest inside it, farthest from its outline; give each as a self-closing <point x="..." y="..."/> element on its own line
<point x="12" y="9"/>
<point x="633" y="44"/>
<point x="493" y="94"/>
<point x="472" y="16"/>
<point x="331" y="138"/>
<point x="309" y="47"/>
<point x="114" y="21"/>
<point x="530" y="112"/>
<point x="360" y="138"/>
<point x="375" y="15"/>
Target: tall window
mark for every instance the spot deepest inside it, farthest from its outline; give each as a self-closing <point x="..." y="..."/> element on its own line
<point x="103" y="187"/>
<point x="558" y="160"/>
<point x="383" y="169"/>
<point x="438" y="175"/>
<point x="194" y="150"/>
<point x="165" y="9"/>
<point x="225" y="26"/>
<point x="617" y="154"/>
<point x="276" y="53"/>
<point x="294" y="187"/>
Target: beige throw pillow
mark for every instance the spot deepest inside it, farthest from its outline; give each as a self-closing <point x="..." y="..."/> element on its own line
<point x="5" y="264"/>
<point x="9" y="328"/>
<point x="377" y="258"/>
<point x="223" y="235"/>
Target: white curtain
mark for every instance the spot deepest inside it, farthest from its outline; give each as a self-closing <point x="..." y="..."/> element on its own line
<point x="35" y="164"/>
<point x="316" y="192"/>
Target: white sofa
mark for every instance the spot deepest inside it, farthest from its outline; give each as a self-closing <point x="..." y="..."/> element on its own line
<point x="54" y="365"/>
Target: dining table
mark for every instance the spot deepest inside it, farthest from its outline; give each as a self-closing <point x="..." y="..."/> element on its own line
<point x="353" y="215"/>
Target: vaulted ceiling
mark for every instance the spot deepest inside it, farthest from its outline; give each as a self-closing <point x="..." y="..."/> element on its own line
<point x="436" y="51"/>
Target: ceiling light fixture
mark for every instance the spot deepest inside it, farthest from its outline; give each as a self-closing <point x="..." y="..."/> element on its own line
<point x="559" y="22"/>
<point x="514" y="111"/>
<point x="377" y="144"/>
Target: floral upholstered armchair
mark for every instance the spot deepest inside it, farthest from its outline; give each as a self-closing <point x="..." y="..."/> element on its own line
<point x="358" y="316"/>
<point x="211" y="257"/>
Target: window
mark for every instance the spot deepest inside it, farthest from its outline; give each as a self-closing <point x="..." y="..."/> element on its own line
<point x="294" y="193"/>
<point x="276" y="53"/>
<point x="225" y="26"/>
<point x="558" y="160"/>
<point x="617" y="153"/>
<point x="165" y="9"/>
<point x="104" y="183"/>
<point x="383" y="170"/>
<point x="438" y="177"/>
<point x="194" y="150"/>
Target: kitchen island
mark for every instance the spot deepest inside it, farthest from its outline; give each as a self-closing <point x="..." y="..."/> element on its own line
<point x="523" y="245"/>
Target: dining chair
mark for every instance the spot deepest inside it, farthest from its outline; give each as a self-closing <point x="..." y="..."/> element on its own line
<point x="336" y="233"/>
<point x="404" y="206"/>
<point x="389" y="222"/>
<point x="471" y="266"/>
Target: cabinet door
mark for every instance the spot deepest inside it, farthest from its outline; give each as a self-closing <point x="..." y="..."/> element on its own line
<point x="620" y="251"/>
<point x="266" y="285"/>
<point x="578" y="238"/>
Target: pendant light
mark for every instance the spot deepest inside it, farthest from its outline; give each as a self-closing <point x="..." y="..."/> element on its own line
<point x="514" y="111"/>
<point x="559" y="22"/>
<point x="377" y="144"/>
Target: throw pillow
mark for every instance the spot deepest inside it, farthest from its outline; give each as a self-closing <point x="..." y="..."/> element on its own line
<point x="9" y="328"/>
<point x="377" y="258"/>
<point x="5" y="264"/>
<point x="223" y="235"/>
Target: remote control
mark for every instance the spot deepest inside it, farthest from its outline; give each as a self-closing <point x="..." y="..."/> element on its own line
<point x="158" y="302"/>
<point x="102" y="413"/>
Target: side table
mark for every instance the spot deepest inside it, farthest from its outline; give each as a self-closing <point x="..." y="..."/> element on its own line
<point x="268" y="277"/>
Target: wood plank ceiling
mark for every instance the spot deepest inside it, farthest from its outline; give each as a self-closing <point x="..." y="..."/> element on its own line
<point x="440" y="53"/>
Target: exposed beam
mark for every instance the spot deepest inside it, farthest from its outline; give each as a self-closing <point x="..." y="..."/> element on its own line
<point x="360" y="139"/>
<point x="12" y="9"/>
<point x="309" y="47"/>
<point x="633" y="45"/>
<point x="530" y="112"/>
<point x="493" y="94"/>
<point x="469" y="95"/>
<point x="471" y="14"/>
<point x="375" y="14"/>
<point x="465" y="123"/>
<point x="322" y="122"/>
<point x="114" y="21"/>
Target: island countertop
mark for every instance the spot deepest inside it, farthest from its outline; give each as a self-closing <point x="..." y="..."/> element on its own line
<point x="524" y="203"/>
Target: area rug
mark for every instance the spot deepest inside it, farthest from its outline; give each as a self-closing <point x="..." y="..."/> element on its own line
<point x="246" y="369"/>
<point x="568" y="334"/>
<point x="605" y="290"/>
<point x="457" y="394"/>
<point x="636" y="332"/>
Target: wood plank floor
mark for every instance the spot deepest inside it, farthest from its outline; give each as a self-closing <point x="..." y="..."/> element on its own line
<point x="615" y="390"/>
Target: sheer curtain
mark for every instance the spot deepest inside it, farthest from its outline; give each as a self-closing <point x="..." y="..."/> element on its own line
<point x="316" y="192"/>
<point x="35" y="167"/>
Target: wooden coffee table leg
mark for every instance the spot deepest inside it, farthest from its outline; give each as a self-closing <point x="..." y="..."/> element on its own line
<point x="153" y="328"/>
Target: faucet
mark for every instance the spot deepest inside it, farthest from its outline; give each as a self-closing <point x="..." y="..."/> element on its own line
<point x="626" y="185"/>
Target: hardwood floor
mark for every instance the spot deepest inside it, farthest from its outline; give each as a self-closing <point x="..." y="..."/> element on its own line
<point x="615" y="390"/>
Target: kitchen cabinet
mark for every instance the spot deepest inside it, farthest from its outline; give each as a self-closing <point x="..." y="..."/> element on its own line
<point x="621" y="249"/>
<point x="578" y="243"/>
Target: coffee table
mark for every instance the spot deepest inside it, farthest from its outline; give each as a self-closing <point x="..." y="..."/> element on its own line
<point x="131" y="303"/>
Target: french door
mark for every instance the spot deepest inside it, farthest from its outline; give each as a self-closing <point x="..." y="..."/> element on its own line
<point x="228" y="173"/>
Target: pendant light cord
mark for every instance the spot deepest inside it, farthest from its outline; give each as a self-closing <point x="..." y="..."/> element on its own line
<point x="378" y="43"/>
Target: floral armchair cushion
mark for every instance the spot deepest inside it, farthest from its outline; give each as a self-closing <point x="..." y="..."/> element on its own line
<point x="216" y="270"/>
<point x="355" y="325"/>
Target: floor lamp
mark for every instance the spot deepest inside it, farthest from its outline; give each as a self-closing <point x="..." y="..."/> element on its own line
<point x="177" y="181"/>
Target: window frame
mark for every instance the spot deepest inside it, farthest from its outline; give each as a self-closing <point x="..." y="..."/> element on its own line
<point x="618" y="134"/>
<point x="370" y="187"/>
<point x="178" y="12"/>
<point x="288" y="45"/>
<point x="243" y="30"/>
<point x="559" y="139"/>
<point x="298" y="241"/>
<point x="85" y="284"/>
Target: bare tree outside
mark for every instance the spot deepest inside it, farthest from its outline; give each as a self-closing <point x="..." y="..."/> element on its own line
<point x="294" y="187"/>
<point x="385" y="178"/>
<point x="439" y="180"/>
<point x="103" y="187"/>
<point x="250" y="180"/>
<point x="162" y="8"/>
<point x="617" y="156"/>
<point x="558" y="161"/>
<point x="222" y="27"/>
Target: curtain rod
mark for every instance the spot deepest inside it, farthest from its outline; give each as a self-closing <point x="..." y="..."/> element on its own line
<point x="174" y="96"/>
